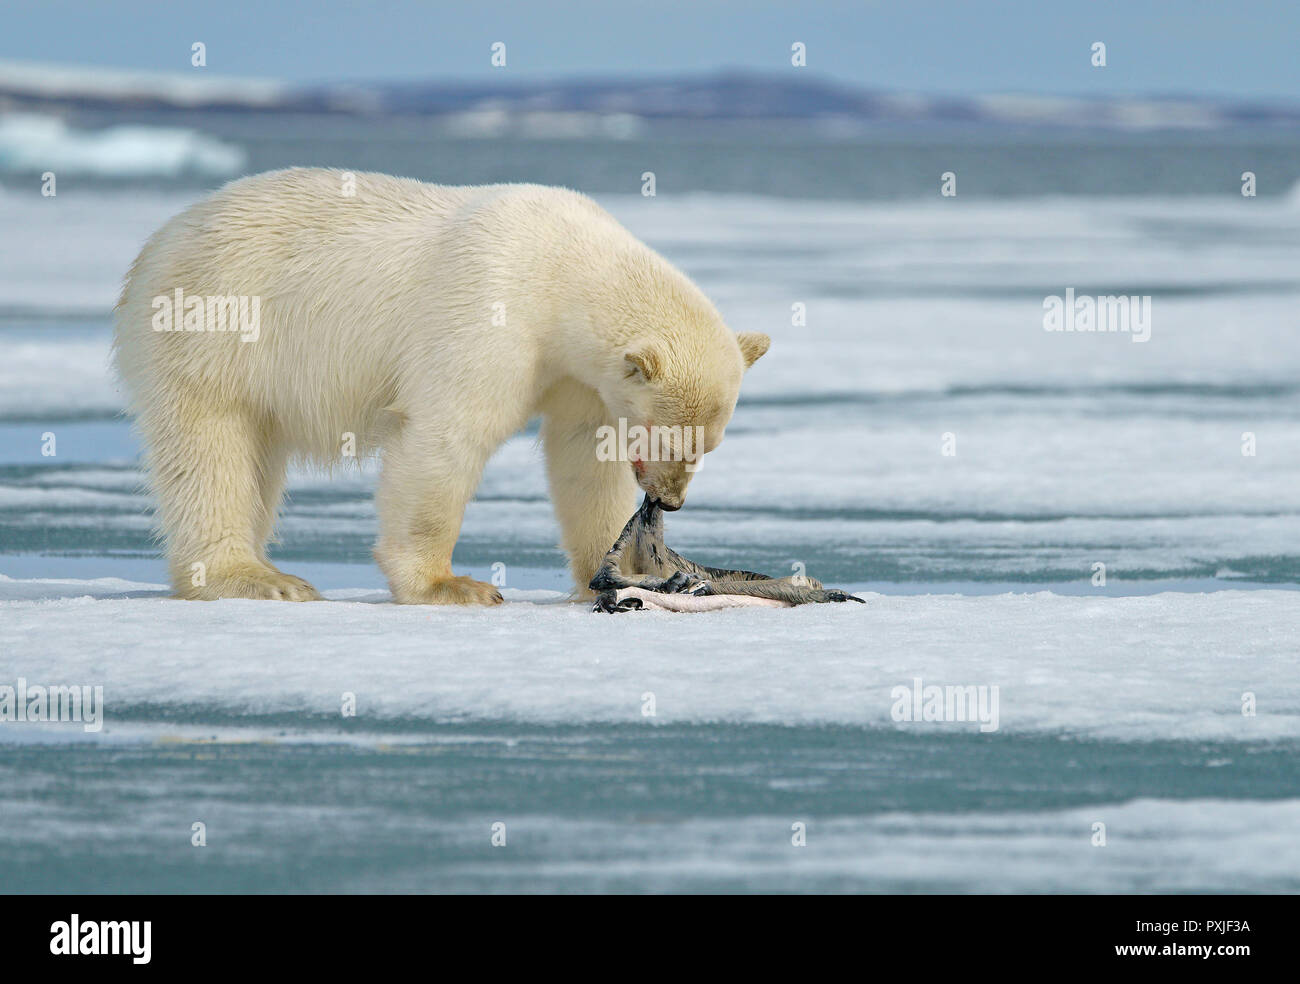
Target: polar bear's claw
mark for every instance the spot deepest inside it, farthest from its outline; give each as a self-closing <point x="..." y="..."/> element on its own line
<point x="262" y="584"/>
<point x="452" y="591"/>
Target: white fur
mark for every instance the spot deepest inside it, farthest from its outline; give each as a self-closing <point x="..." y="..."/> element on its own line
<point x="377" y="320"/>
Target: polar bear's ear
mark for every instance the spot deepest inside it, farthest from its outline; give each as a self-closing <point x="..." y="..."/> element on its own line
<point x="643" y="363"/>
<point x="752" y="345"/>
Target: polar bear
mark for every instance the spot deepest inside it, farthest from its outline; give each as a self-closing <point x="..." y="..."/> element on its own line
<point x="293" y="311"/>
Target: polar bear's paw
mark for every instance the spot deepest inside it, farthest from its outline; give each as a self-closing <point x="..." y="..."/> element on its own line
<point x="450" y="591"/>
<point x="262" y="583"/>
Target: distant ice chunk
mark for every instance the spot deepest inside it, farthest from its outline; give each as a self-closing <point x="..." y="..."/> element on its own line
<point x="30" y="143"/>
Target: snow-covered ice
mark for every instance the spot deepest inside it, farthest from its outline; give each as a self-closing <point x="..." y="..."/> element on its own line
<point x="1173" y="665"/>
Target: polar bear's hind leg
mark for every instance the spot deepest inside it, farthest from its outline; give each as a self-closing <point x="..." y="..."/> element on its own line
<point x="217" y="474"/>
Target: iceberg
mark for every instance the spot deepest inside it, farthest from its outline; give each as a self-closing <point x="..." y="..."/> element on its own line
<point x="32" y="144"/>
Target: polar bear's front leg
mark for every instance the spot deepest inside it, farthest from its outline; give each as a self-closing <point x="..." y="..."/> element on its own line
<point x="592" y="498"/>
<point x="425" y="486"/>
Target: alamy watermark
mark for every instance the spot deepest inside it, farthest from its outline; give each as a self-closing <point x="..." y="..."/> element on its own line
<point x="73" y="937"/>
<point x="950" y="703"/>
<point x="225" y="312"/>
<point x="1107" y="313"/>
<point x="58" y="704"/>
<point x="636" y="442"/>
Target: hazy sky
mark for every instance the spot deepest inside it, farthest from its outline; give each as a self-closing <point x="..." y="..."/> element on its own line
<point x="1245" y="48"/>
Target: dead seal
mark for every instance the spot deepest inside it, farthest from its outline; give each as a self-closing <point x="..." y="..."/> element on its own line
<point x="641" y="571"/>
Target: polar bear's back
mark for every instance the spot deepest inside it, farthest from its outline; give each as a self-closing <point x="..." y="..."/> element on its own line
<point x="351" y="272"/>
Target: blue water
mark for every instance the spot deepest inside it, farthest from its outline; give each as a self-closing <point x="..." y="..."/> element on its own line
<point x="703" y="808"/>
<point x="924" y="319"/>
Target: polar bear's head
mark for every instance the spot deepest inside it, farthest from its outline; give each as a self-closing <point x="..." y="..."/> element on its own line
<point x="677" y="398"/>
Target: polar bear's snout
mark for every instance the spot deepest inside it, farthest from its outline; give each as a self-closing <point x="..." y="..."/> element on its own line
<point x="664" y="482"/>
